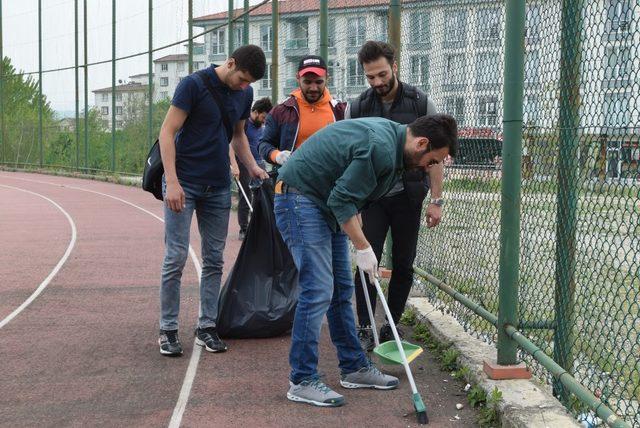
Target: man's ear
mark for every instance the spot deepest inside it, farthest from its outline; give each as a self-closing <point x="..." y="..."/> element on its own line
<point x="423" y="143"/>
<point x="231" y="63"/>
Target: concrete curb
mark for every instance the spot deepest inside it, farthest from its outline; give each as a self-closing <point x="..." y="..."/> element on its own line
<point x="524" y="403"/>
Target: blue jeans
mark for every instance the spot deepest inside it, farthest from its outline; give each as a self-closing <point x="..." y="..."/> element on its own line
<point x="212" y="207"/>
<point x="325" y="287"/>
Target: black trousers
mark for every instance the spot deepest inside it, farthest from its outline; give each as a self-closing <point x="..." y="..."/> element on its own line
<point x="243" y="208"/>
<point x="403" y="218"/>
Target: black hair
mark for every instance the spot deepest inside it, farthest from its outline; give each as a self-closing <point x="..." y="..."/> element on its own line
<point x="440" y="129"/>
<point x="263" y="105"/>
<point x="250" y="58"/>
<point x="373" y="50"/>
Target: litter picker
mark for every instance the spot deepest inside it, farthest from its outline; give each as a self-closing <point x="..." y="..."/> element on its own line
<point x="244" y="194"/>
<point x="395" y="351"/>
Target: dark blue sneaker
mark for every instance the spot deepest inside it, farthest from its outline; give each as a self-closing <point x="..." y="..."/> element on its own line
<point x="208" y="337"/>
<point x="169" y="343"/>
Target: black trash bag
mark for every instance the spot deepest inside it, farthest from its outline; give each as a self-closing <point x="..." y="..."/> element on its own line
<point x="260" y="295"/>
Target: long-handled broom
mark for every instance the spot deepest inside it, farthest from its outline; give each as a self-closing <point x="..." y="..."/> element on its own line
<point x="418" y="404"/>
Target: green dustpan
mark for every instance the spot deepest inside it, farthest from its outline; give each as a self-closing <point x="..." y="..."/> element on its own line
<point x="388" y="352"/>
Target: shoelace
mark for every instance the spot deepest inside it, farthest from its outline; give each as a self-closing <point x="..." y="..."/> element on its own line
<point x="320" y="386"/>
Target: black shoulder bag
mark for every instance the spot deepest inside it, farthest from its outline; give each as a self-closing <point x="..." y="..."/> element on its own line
<point x="153" y="168"/>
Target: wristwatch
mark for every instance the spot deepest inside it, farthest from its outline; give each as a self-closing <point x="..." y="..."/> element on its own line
<point x="437" y="201"/>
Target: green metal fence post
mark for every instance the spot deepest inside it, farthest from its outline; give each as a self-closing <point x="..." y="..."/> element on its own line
<point x="324" y="28"/>
<point x="77" y="81"/>
<point x="2" y="140"/>
<point x="150" y="138"/>
<point x="245" y="30"/>
<point x="230" y="23"/>
<point x="190" y="36"/>
<point x="511" y="179"/>
<point x="569" y="123"/>
<point x="40" y="82"/>
<point x="86" y="87"/>
<point x="113" y="85"/>
<point x="395" y="34"/>
<point x="275" y="24"/>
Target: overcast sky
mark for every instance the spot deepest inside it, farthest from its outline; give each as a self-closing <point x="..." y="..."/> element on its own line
<point x="20" y="38"/>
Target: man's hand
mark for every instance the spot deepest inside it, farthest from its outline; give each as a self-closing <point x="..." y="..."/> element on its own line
<point x="434" y="215"/>
<point x="174" y="197"/>
<point x="282" y="157"/>
<point x="257" y="172"/>
<point x="235" y="171"/>
<point x="366" y="260"/>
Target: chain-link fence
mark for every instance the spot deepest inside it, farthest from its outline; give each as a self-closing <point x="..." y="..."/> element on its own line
<point x="579" y="275"/>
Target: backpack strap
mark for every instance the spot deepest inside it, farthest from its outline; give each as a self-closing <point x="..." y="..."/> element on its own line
<point x="216" y="96"/>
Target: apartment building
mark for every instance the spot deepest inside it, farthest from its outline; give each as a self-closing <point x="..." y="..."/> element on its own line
<point x="131" y="100"/>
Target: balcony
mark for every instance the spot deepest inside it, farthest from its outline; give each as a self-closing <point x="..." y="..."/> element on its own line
<point x="296" y="47"/>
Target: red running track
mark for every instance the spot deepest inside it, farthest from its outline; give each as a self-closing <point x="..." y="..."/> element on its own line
<point x="84" y="352"/>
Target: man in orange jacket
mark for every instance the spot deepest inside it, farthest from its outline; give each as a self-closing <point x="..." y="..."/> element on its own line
<point x="309" y="108"/>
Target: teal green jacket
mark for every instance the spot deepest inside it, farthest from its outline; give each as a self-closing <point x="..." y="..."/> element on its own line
<point x="347" y="165"/>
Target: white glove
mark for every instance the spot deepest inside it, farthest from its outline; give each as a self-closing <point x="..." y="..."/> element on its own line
<point x="366" y="260"/>
<point x="283" y="156"/>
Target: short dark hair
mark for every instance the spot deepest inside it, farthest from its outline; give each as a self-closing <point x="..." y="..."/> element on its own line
<point x="263" y="105"/>
<point x="373" y="50"/>
<point x="250" y="58"/>
<point x="440" y="129"/>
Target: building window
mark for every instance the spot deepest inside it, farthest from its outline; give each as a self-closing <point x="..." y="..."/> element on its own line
<point x="164" y="67"/>
<point x="487" y="68"/>
<point x="420" y="26"/>
<point x="265" y="83"/>
<point x="332" y="72"/>
<point x="119" y="97"/>
<point x="455" y="68"/>
<point x="355" y="74"/>
<point x="456" y="26"/>
<point x="237" y="42"/>
<point x="530" y="107"/>
<point x="618" y="63"/>
<point x="118" y="110"/>
<point x="164" y="81"/>
<point x="266" y="38"/>
<point x="488" y="111"/>
<point x="217" y="42"/>
<point x="119" y="124"/>
<point x="419" y="70"/>
<point x="331" y="31"/>
<point x="488" y="24"/>
<point x="298" y="34"/>
<point x="532" y="66"/>
<point x="104" y="110"/>
<point x="164" y="95"/>
<point x="617" y="112"/>
<point x="532" y="23"/>
<point x="105" y="97"/>
<point x="455" y="107"/>
<point x="356" y="31"/>
<point x="198" y="50"/>
<point x="180" y="66"/>
<point x="619" y="16"/>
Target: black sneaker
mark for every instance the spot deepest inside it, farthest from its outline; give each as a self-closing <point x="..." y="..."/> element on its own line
<point x="365" y="335"/>
<point x="169" y="343"/>
<point x="208" y="337"/>
<point x="386" y="334"/>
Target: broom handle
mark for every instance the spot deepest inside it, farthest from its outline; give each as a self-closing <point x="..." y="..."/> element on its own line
<point x="244" y="194"/>
<point x="405" y="363"/>
<point x="372" y="320"/>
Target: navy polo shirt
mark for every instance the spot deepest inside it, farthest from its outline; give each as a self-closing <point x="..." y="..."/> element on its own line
<point x="253" y="133"/>
<point x="202" y="145"/>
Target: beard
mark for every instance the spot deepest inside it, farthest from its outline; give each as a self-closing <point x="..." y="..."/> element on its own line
<point x="312" y="97"/>
<point x="384" y="90"/>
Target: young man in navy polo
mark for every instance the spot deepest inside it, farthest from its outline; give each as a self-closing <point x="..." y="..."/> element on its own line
<point x="194" y="143"/>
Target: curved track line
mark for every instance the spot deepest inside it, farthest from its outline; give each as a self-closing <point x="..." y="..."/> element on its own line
<point x="187" y="384"/>
<point x="57" y="267"/>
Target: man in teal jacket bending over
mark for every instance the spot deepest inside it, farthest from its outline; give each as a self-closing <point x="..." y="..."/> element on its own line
<point x="322" y="187"/>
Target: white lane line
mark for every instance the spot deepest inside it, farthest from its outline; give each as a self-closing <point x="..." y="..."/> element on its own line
<point x="187" y="383"/>
<point x="57" y="267"/>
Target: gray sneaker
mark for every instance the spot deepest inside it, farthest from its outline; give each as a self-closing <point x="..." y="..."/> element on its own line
<point x="369" y="377"/>
<point x="314" y="392"/>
